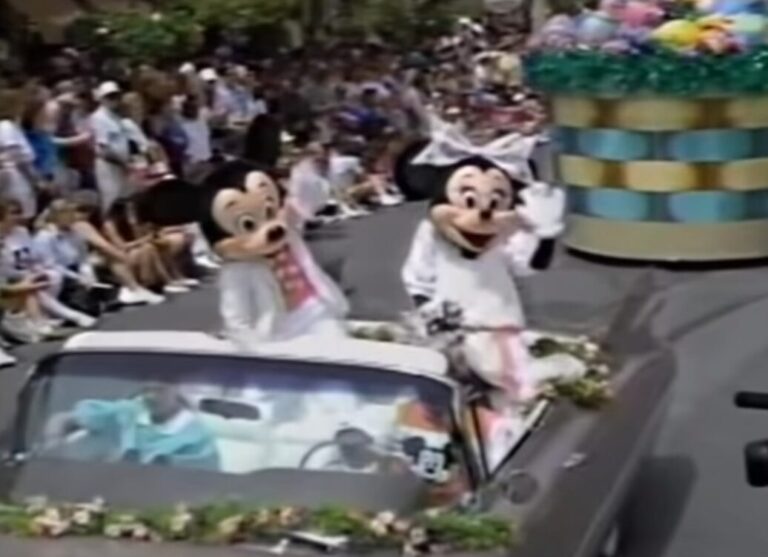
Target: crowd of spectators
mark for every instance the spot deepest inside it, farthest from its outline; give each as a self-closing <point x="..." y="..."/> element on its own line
<point x="80" y="141"/>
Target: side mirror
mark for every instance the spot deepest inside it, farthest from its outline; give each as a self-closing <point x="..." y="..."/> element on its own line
<point x="756" y="460"/>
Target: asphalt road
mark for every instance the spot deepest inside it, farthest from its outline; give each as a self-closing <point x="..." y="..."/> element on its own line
<point x="692" y="500"/>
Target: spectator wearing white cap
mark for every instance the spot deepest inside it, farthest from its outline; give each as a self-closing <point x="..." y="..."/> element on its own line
<point x="113" y="146"/>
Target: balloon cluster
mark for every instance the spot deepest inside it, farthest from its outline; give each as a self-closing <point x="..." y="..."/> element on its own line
<point x="689" y="27"/>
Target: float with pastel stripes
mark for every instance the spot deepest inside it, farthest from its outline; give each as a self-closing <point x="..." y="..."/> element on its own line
<point x="663" y="150"/>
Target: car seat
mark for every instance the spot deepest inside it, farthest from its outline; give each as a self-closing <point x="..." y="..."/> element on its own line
<point x="242" y="442"/>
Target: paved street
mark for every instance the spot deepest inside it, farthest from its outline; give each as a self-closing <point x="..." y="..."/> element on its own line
<point x="693" y="501"/>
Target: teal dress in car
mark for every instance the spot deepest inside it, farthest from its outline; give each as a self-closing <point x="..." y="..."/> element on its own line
<point x="123" y="431"/>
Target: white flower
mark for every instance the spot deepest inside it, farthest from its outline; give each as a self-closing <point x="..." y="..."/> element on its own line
<point x="387" y="517"/>
<point x="230" y="527"/>
<point x="36" y="505"/>
<point x="378" y="528"/>
<point x="140" y="532"/>
<point x="401" y="526"/>
<point x="114" y="531"/>
<point x="82" y="517"/>
<point x="156" y="16"/>
<point x="603" y="369"/>
<point x="418" y="536"/>
<point x="181" y="521"/>
<point x="59" y="529"/>
<point x="52" y="514"/>
<point x="102" y="31"/>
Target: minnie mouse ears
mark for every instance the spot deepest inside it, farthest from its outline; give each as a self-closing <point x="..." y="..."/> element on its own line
<point x="448" y="147"/>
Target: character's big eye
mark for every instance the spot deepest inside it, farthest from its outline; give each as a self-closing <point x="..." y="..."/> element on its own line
<point x="494" y="205"/>
<point x="247" y="224"/>
<point x="470" y="202"/>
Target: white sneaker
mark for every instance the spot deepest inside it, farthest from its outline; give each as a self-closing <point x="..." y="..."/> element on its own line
<point x="6" y="360"/>
<point x="20" y="328"/>
<point x="351" y="213"/>
<point x="206" y="262"/>
<point x="187" y="282"/>
<point x="175" y="289"/>
<point x="151" y="298"/>
<point x="128" y="297"/>
<point x="389" y="200"/>
<point x="86" y="322"/>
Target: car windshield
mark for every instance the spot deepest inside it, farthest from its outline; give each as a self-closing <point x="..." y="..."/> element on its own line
<point x="238" y="416"/>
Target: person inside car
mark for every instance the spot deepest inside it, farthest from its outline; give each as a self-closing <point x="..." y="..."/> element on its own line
<point x="157" y="427"/>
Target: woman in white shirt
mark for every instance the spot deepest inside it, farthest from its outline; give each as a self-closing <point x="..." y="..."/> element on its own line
<point x="18" y="179"/>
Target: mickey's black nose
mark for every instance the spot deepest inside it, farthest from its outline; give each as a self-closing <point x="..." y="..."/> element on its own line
<point x="276" y="234"/>
<point x="486" y="214"/>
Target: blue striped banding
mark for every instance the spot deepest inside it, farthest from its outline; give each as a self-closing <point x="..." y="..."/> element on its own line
<point x="698" y="207"/>
<point x="715" y="146"/>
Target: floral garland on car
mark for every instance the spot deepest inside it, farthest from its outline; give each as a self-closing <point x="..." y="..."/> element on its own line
<point x="232" y="524"/>
<point x="591" y="391"/>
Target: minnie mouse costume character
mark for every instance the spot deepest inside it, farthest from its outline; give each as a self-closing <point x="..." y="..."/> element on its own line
<point x="271" y="288"/>
<point x="488" y="221"/>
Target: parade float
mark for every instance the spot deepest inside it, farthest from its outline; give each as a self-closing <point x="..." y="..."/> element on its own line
<point x="660" y="110"/>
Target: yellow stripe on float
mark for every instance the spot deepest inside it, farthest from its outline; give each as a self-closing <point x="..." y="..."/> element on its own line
<point x="744" y="175"/>
<point x="651" y="176"/>
<point x="659" y="241"/>
<point x="583" y="171"/>
<point x="575" y="112"/>
<point x="653" y="115"/>
<point x="659" y="176"/>
<point x="664" y="176"/>
<point x="747" y="112"/>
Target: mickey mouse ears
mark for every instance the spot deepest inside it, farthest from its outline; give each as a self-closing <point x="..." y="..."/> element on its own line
<point x="449" y="146"/>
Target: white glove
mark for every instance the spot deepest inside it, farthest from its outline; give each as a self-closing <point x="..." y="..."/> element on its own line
<point x="544" y="209"/>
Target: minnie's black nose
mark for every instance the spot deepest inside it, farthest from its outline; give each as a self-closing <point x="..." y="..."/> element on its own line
<point x="276" y="234"/>
<point x="486" y="214"/>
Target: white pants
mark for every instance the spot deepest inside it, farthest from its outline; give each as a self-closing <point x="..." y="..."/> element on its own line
<point x="503" y="360"/>
<point x="53" y="307"/>
<point x="113" y="183"/>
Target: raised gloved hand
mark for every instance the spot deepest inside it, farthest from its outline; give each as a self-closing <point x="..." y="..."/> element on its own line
<point x="543" y="209"/>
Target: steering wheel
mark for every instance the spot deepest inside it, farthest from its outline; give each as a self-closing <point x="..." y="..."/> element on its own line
<point x="348" y="438"/>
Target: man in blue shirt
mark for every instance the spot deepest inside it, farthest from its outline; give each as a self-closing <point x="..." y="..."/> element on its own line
<point x="157" y="427"/>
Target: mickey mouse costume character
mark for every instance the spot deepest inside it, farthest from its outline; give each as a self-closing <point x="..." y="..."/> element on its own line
<point x="488" y="222"/>
<point x="271" y="288"/>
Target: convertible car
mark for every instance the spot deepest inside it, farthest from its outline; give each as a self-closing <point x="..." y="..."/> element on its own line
<point x="360" y="424"/>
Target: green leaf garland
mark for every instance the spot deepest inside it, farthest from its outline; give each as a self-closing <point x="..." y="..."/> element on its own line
<point x="658" y="72"/>
<point x="232" y="524"/>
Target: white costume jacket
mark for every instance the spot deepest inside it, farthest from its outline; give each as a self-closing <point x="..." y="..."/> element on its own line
<point x="484" y="289"/>
<point x="286" y="298"/>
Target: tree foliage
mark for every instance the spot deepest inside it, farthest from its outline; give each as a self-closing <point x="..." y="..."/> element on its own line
<point x="175" y="32"/>
<point x="402" y="21"/>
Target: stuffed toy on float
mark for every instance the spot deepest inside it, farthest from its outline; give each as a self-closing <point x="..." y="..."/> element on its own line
<point x="271" y="288"/>
<point x="660" y="108"/>
<point x="487" y="223"/>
